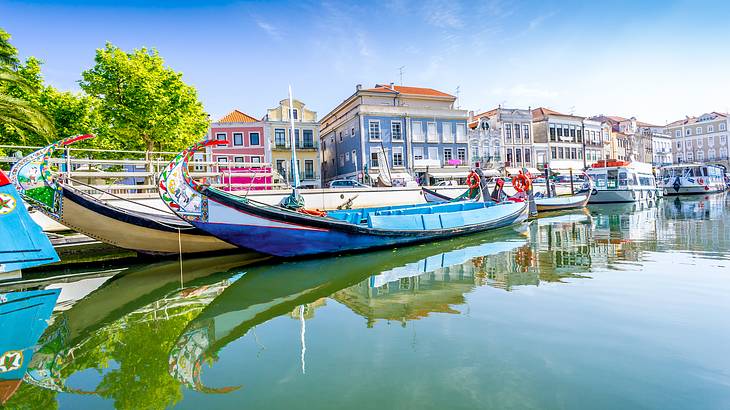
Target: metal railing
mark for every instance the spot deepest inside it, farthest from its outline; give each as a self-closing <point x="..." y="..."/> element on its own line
<point x="137" y="174"/>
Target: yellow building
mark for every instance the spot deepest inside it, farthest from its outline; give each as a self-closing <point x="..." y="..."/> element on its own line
<point x="277" y="129"/>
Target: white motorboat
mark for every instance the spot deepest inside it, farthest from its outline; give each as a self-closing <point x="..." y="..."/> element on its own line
<point x="692" y="179"/>
<point x="622" y="181"/>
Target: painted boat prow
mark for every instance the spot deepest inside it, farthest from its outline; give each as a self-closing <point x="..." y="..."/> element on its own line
<point x="142" y="232"/>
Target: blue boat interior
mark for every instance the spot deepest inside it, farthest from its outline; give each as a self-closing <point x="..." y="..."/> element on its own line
<point x="415" y="217"/>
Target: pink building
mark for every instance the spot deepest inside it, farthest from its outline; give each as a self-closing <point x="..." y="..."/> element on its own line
<point x="246" y="147"/>
<point x="245" y="136"/>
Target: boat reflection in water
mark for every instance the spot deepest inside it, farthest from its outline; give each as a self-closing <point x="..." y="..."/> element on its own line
<point x="23" y="318"/>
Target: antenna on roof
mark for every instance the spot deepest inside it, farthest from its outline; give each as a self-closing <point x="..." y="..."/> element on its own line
<point x="400" y="70"/>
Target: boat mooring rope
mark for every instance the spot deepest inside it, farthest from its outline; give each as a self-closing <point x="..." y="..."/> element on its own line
<point x="179" y="248"/>
<point x="120" y="197"/>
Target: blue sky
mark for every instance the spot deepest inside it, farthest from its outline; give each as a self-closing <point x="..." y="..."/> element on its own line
<point x="656" y="60"/>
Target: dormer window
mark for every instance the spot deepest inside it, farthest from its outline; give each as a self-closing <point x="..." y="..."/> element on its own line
<point x="295" y="114"/>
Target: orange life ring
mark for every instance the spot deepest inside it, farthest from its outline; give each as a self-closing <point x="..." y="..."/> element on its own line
<point x="521" y="183"/>
<point x="473" y="180"/>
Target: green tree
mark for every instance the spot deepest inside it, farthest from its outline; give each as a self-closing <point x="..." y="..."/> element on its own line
<point x="18" y="115"/>
<point x="145" y="104"/>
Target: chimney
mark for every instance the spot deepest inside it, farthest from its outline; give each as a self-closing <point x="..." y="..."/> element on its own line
<point x="358" y="87"/>
<point x="391" y="86"/>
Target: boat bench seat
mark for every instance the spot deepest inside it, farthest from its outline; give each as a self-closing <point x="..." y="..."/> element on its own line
<point x="450" y="216"/>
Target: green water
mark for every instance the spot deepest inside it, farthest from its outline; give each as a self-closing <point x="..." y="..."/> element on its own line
<point x="615" y="307"/>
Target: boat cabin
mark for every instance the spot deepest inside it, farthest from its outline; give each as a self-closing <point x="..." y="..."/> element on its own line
<point x="608" y="174"/>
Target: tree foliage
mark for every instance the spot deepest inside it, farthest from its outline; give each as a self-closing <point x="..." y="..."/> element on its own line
<point x="145" y="104"/>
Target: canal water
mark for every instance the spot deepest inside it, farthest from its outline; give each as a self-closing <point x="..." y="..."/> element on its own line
<point x="620" y="306"/>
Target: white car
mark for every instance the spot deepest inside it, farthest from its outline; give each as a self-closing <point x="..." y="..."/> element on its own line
<point x="347" y="183"/>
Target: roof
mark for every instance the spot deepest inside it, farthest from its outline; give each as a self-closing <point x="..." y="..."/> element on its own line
<point x="541" y="113"/>
<point x="238" y="116"/>
<point x="692" y="120"/>
<point x="429" y="92"/>
<point x="646" y="124"/>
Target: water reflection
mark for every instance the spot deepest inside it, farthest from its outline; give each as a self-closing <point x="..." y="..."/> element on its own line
<point x="143" y="340"/>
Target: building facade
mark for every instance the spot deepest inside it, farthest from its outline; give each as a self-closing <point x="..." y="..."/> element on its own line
<point x="558" y="139"/>
<point x="245" y="136"/>
<point x="306" y="136"/>
<point x="594" y="141"/>
<point x="700" y="139"/>
<point x="414" y="130"/>
<point x="503" y="137"/>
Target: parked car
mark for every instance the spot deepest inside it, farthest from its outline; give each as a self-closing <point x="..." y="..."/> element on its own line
<point x="449" y="182"/>
<point x="347" y="183"/>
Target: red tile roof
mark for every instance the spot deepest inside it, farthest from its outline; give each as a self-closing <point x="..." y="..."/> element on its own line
<point x="237" y="116"/>
<point x="430" y="92"/>
<point x="542" y="112"/>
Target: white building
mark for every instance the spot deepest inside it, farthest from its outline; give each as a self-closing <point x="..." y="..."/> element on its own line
<point x="700" y="139"/>
<point x="503" y="137"/>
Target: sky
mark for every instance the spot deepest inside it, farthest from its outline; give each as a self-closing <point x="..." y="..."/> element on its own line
<point x="655" y="60"/>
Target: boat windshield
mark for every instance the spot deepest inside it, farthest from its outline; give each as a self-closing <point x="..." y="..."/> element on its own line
<point x="599" y="180"/>
<point x="612" y="182"/>
<point x="623" y="178"/>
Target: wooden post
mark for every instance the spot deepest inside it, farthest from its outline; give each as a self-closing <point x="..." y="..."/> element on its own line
<point x="572" y="190"/>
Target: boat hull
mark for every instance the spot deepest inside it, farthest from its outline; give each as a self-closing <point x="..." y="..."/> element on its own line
<point x="134" y="231"/>
<point x="559" y="203"/>
<point x="693" y="190"/>
<point x="608" y="196"/>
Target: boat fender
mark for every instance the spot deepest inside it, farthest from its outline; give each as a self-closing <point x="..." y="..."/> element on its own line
<point x="473" y="180"/>
<point x="594" y="192"/>
<point x="313" y="212"/>
<point x="521" y="182"/>
<point x="701" y="181"/>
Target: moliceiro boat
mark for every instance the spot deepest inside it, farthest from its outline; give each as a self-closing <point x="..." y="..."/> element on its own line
<point x="148" y="233"/>
<point x="692" y="179"/>
<point x="542" y="203"/>
<point x="279" y="231"/>
<point x="622" y="181"/>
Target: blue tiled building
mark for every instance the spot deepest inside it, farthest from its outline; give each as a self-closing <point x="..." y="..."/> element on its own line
<point x="413" y="129"/>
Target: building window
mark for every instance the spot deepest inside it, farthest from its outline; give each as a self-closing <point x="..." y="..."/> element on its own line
<point x="698" y="130"/>
<point x="677" y="133"/>
<point x="552" y="133"/>
<point x="573" y="153"/>
<point x="690" y="156"/>
<point x="572" y="132"/>
<point x="352" y="131"/>
<point x="354" y="157"/>
<point x="374" y="163"/>
<point x="254" y="139"/>
<point x="518" y="155"/>
<point x="296" y="137"/>
<point x="397" y="156"/>
<point x="237" y="138"/>
<point x="221" y="136"/>
<point x="460" y="132"/>
<point x="526" y="133"/>
<point x="723" y="139"/>
<point x="396" y="131"/>
<point x="688" y="144"/>
<point x="710" y="128"/>
<point x="347" y="156"/>
<point x="518" y="134"/>
<point x="237" y="159"/>
<point x="461" y="155"/>
<point x="222" y="159"/>
<point x="447" y="132"/>
<point x="373" y="130"/>
<point x="417" y="153"/>
<point x="580" y="154"/>
<point x="508" y="133"/>
<point x="342" y="160"/>
<point x="295" y="113"/>
<point x="723" y="153"/>
<point x="432" y="134"/>
<point x="417" y="131"/>
<point x="448" y="155"/>
<point x="688" y="131"/>
<point x="528" y="158"/>
<point x="699" y="142"/>
<point x="560" y="131"/>
<point x="341" y="135"/>
<point x="561" y="153"/>
<point x="509" y="155"/>
<point x="280" y="137"/>
<point x="711" y="155"/>
<point x="700" y="156"/>
<point x="722" y="126"/>
<point x="308" y="169"/>
<point x="553" y="153"/>
<point x="308" y="136"/>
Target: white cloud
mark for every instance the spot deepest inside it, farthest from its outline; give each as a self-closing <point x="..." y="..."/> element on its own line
<point x="269" y="29"/>
<point x="443" y="14"/>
